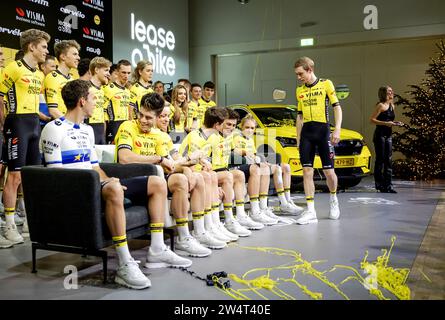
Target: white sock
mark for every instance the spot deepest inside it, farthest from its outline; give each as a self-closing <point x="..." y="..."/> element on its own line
<point x="157" y="237"/>
<point x="123" y="254"/>
<point x="311" y="206"/>
<point x="9" y="216"/>
<point x="198" y="222"/>
<point x="228" y="212"/>
<point x="254" y="206"/>
<point x="208" y="220"/>
<point x="183" y="231"/>
<point x="287" y="195"/>
<point x="334" y="197"/>
<point x="263" y="202"/>
<point x="240" y="212"/>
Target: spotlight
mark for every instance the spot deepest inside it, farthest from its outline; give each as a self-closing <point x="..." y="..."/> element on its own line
<point x="243" y="1"/>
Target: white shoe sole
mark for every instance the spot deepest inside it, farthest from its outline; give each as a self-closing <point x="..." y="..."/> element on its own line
<point x="251" y="227"/>
<point x="334" y="218"/>
<point x="213" y="247"/>
<point x="6" y="246"/>
<point x="158" y="265"/>
<point x="194" y="255"/>
<point x="307" y="222"/>
<point x="122" y="282"/>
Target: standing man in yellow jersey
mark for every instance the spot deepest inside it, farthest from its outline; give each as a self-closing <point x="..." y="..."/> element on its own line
<point x="194" y="107"/>
<point x="100" y="73"/>
<point x="142" y="77"/>
<point x="21" y="126"/>
<point x="206" y="101"/>
<point x="313" y="131"/>
<point x="117" y="99"/>
<point x="67" y="53"/>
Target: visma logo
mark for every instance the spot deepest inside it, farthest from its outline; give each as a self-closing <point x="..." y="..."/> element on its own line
<point x="95" y="4"/>
<point x="94" y="34"/>
<point x="96" y="51"/>
<point x="86" y="31"/>
<point x="20" y="12"/>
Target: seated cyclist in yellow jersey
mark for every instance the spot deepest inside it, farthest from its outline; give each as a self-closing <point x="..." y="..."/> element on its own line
<point x="139" y="141"/>
<point x="250" y="173"/>
<point x="313" y="133"/>
<point x="196" y="182"/>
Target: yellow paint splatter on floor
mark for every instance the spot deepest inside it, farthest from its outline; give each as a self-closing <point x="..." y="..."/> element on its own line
<point x="380" y="275"/>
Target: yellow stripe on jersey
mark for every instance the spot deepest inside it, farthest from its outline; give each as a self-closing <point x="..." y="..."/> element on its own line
<point x="117" y="99"/>
<point x="313" y="101"/>
<point x="137" y="91"/>
<point x="129" y="136"/>
<point x="98" y="115"/>
<point x="21" y="85"/>
<point x="54" y="82"/>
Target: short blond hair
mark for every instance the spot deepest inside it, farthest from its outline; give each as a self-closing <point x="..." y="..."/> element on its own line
<point x="305" y="62"/>
<point x="63" y="46"/>
<point x="32" y="36"/>
<point x="99" y="62"/>
<point x="248" y="117"/>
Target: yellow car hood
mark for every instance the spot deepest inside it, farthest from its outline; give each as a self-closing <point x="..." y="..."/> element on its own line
<point x="291" y="132"/>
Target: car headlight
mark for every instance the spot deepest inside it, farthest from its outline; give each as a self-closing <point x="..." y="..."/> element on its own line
<point x="287" y="142"/>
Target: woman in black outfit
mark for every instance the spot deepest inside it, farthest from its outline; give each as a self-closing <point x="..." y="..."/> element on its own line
<point x="383" y="117"/>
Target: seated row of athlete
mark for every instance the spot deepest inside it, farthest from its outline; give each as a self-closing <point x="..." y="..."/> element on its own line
<point x="200" y="168"/>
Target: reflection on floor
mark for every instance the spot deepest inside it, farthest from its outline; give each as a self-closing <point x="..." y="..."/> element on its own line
<point x="368" y="222"/>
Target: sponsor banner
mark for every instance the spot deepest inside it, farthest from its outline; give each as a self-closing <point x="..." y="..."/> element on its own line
<point x="86" y="21"/>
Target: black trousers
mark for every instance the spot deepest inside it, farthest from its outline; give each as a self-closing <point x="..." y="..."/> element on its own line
<point x="383" y="161"/>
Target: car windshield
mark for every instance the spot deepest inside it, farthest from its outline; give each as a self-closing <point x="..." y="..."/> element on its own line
<point x="277" y="117"/>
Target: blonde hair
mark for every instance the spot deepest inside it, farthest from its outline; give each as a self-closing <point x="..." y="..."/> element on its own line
<point x="248" y="117"/>
<point x="305" y="62"/>
<point x="136" y="76"/>
<point x="32" y="36"/>
<point x="179" y="108"/>
<point x="99" y="62"/>
<point x="63" y="46"/>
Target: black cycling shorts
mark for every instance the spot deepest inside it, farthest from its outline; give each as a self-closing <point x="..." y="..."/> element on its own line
<point x="244" y="168"/>
<point x="22" y="134"/>
<point x="112" y="128"/>
<point x="315" y="136"/>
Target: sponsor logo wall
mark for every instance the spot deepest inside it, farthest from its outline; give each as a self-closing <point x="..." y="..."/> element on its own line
<point x="86" y="21"/>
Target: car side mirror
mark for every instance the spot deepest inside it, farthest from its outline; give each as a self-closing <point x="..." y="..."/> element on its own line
<point x="279" y="95"/>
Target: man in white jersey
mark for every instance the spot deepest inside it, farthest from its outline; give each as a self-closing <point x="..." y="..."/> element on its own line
<point x="68" y="142"/>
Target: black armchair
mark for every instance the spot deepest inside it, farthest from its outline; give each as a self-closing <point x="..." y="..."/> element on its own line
<point x="64" y="209"/>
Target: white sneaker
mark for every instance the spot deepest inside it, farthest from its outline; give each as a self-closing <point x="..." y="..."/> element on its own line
<point x="269" y="212"/>
<point x="165" y="258"/>
<point x="307" y="217"/>
<point x="191" y="247"/>
<point x="218" y="234"/>
<point x="334" y="212"/>
<point x="25" y="229"/>
<point x="13" y="235"/>
<point x="248" y="223"/>
<point x="208" y="241"/>
<point x="264" y="219"/>
<point x="129" y="275"/>
<point x="222" y="229"/>
<point x="18" y="220"/>
<point x="21" y="213"/>
<point x="234" y="227"/>
<point x="5" y="243"/>
<point x="289" y="208"/>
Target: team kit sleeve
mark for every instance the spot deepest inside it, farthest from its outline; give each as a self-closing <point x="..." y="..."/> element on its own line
<point x="332" y="95"/>
<point x="299" y="102"/>
<point x="50" y="146"/>
<point x="125" y="137"/>
<point x="50" y="86"/>
<point x="9" y="77"/>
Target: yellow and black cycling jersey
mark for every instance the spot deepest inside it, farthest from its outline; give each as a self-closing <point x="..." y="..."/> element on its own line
<point x="313" y="100"/>
<point x="137" y="91"/>
<point x="243" y="144"/>
<point x="220" y="151"/>
<point x="167" y="148"/>
<point x="99" y="111"/>
<point x="117" y="100"/>
<point x="21" y="85"/>
<point x="178" y="127"/>
<point x="194" y="141"/>
<point x="130" y="137"/>
<point x="203" y="106"/>
<point x="53" y="84"/>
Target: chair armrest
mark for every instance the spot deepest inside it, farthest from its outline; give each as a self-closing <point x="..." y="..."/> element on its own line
<point x="63" y="206"/>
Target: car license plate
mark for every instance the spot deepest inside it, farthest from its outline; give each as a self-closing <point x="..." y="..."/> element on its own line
<point x="344" y="162"/>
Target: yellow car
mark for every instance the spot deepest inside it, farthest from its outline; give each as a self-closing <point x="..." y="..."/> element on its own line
<point x="276" y="134"/>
